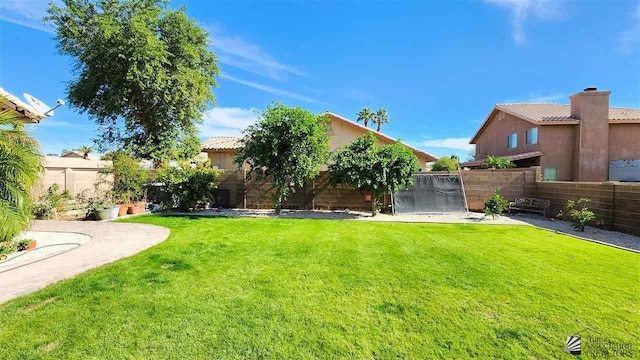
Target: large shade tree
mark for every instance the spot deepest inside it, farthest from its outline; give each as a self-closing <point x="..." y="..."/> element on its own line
<point x="372" y="168"/>
<point x="143" y="72"/>
<point x="20" y="169"/>
<point x="287" y="145"/>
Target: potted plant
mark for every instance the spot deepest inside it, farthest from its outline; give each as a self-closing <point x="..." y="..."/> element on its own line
<point x="103" y="209"/>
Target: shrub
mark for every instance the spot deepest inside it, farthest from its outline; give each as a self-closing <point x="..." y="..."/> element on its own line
<point x="495" y="204"/>
<point x="445" y="163"/>
<point x="129" y="178"/>
<point x="22" y="245"/>
<point x="496" y="162"/>
<point x="189" y="185"/>
<point x="582" y="216"/>
<point x="53" y="201"/>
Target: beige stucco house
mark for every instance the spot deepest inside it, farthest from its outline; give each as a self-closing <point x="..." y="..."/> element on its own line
<point x="572" y="142"/>
<point x="342" y="131"/>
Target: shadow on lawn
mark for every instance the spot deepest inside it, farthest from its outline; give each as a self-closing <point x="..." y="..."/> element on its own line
<point x="265" y="214"/>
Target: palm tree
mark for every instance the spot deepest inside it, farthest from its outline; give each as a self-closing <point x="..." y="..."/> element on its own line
<point x="20" y="169"/>
<point x="365" y="115"/>
<point x="381" y="118"/>
<point x="85" y="150"/>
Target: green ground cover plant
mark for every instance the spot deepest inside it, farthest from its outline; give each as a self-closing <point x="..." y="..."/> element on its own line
<point x="284" y="288"/>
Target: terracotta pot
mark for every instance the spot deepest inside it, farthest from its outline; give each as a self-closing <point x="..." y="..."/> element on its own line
<point x="367" y="196"/>
<point x="123" y="210"/>
<point x="133" y="209"/>
<point x="32" y="245"/>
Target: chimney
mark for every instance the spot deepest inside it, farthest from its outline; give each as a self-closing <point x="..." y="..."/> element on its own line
<point x="591" y="107"/>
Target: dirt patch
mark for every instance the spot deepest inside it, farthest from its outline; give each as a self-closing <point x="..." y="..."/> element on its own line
<point x="39" y="305"/>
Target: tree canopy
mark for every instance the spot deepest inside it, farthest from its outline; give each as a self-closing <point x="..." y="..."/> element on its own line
<point x="287" y="145"/>
<point x="143" y="72"/>
<point x="445" y="163"/>
<point x="365" y="166"/>
<point x="365" y="115"/>
<point x="381" y="118"/>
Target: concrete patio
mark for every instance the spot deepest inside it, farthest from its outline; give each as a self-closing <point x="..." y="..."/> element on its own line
<point x="109" y="242"/>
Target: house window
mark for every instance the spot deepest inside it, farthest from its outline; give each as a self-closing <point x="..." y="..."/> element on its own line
<point x="550" y="174"/>
<point x="532" y="136"/>
<point x="512" y="141"/>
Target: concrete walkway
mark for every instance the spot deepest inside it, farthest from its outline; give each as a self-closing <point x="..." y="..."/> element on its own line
<point x="109" y="242"/>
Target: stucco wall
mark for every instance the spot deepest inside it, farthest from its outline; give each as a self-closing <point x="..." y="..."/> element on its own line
<point x="493" y="140"/>
<point x="624" y="141"/>
<point x="223" y="159"/>
<point x="557" y="143"/>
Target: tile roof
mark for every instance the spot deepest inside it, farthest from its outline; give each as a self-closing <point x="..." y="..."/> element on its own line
<point x="222" y="143"/>
<point x="514" y="157"/>
<point x="558" y="112"/>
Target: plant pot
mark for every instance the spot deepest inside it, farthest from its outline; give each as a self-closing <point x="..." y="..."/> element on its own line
<point x="367" y="196"/>
<point x="122" y="211"/>
<point x="134" y="209"/>
<point x="141" y="204"/>
<point x="114" y="211"/>
<point x="103" y="214"/>
<point x="32" y="245"/>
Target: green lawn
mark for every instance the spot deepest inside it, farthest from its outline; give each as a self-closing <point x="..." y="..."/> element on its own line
<point x="254" y="288"/>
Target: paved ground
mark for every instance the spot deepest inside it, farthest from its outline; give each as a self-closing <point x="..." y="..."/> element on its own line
<point x="109" y="242"/>
<point x="614" y="238"/>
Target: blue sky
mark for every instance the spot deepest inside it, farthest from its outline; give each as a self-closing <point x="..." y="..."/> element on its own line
<point x="437" y="67"/>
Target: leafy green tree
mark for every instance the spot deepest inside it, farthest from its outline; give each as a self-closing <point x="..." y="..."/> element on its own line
<point x="381" y="118"/>
<point x="190" y="185"/>
<point x="496" y="162"/>
<point x="365" y="166"/>
<point x="20" y="169"/>
<point x="288" y="145"/>
<point x="445" y="163"/>
<point x="129" y="178"/>
<point x="144" y="72"/>
<point x="365" y="115"/>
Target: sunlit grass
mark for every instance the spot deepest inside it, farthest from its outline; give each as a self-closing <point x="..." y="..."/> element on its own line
<point x="252" y="288"/>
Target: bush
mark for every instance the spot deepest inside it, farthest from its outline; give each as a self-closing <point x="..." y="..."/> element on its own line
<point x="129" y="178"/>
<point x="495" y="204"/>
<point x="580" y="217"/>
<point x="53" y="201"/>
<point x="189" y="185"/>
<point x="496" y="162"/>
<point x="445" y="163"/>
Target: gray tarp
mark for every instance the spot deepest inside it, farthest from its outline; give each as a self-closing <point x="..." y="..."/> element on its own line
<point x="430" y="194"/>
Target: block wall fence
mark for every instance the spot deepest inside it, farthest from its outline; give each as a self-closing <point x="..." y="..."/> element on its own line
<point x="618" y="204"/>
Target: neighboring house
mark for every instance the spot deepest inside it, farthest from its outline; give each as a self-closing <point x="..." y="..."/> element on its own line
<point x="24" y="111"/>
<point x="79" y="155"/>
<point x="572" y="142"/>
<point x="342" y="131"/>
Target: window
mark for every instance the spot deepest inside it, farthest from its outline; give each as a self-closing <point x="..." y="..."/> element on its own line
<point x="550" y="174"/>
<point x="532" y="136"/>
<point x="512" y="141"/>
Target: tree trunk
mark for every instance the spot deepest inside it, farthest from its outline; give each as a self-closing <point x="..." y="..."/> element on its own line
<point x="379" y="127"/>
<point x="374" y="205"/>
<point x="279" y="204"/>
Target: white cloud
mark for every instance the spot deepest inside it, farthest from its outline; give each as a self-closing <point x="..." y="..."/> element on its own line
<point x="521" y="10"/>
<point x="629" y="40"/>
<point x="270" y="89"/>
<point x="448" y="143"/>
<point x="226" y="121"/>
<point x="240" y="53"/>
<point x="28" y="13"/>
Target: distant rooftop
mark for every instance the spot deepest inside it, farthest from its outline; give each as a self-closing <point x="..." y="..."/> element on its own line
<point x="222" y="143"/>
